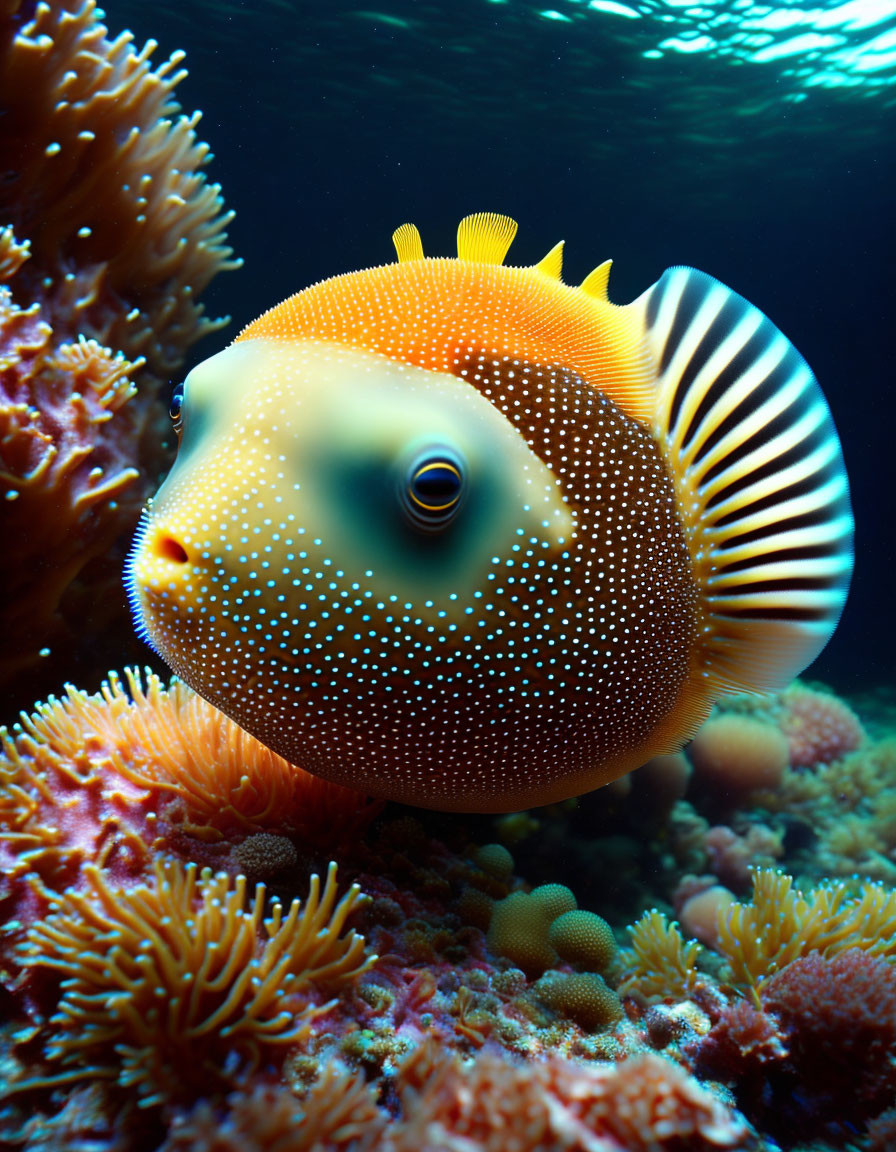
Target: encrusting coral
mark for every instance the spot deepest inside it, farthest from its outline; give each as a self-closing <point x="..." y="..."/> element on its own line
<point x="110" y="233"/>
<point x="643" y="1104"/>
<point x="163" y="986"/>
<point x="338" y="1114"/>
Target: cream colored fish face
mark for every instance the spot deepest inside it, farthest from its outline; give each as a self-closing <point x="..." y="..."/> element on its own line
<point x="333" y="532"/>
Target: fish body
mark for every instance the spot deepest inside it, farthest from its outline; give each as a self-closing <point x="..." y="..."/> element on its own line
<point x="460" y="535"/>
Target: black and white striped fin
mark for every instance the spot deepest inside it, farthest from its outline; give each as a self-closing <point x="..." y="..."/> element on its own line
<point x="750" y="441"/>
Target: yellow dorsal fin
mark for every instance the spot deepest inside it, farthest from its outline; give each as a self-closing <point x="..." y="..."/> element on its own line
<point x="484" y="237"/>
<point x="408" y="244"/>
<point x="596" y="282"/>
<point x="552" y="264"/>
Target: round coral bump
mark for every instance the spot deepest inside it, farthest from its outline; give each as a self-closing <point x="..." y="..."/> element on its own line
<point x="582" y="997"/>
<point x="521" y="922"/>
<point x="738" y="754"/>
<point x="819" y="727"/>
<point x="700" y="914"/>
<point x="553" y="899"/>
<point x="495" y="860"/>
<point x="583" y="938"/>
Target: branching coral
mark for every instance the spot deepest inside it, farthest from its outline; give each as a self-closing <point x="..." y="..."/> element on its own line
<point x="167" y="987"/>
<point x="68" y="483"/>
<point x="60" y="805"/>
<point x="110" y="233"/>
<point x="104" y="179"/>
<point x="103" y="777"/>
<point x="660" y="964"/>
<point x="780" y="925"/>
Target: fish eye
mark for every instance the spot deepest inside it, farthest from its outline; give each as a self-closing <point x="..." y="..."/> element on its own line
<point x="434" y="489"/>
<point x="176" y="409"/>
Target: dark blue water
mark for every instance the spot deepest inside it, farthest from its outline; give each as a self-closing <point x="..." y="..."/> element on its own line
<point x="754" y="142"/>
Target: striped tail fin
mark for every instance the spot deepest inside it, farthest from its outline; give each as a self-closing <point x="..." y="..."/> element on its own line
<point x="762" y="485"/>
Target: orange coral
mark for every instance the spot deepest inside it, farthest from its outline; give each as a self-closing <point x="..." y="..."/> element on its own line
<point x="102" y="777"/>
<point x="338" y="1113"/>
<point x="162" y="982"/>
<point x="104" y="178"/>
<point x="734" y="754"/>
<point x="111" y="231"/>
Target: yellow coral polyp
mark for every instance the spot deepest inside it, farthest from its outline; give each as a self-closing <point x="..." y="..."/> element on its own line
<point x="583" y="938"/>
<point x="660" y="964"/>
<point x="161" y="982"/>
<point x="780" y="925"/>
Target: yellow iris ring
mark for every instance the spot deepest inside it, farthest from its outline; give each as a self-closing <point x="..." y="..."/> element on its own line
<point x="427" y="468"/>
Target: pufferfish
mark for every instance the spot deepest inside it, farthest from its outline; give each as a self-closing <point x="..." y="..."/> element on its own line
<point x="460" y="535"/>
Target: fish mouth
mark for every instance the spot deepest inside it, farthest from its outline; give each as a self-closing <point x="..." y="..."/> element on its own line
<point x="156" y="571"/>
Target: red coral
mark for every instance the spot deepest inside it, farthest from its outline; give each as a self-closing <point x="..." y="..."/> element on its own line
<point x="817" y="1058"/>
<point x="840" y="1016"/>
<point x="741" y="1043"/>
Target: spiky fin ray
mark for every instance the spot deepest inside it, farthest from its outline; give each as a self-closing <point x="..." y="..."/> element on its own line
<point x="485" y="237"/>
<point x="552" y="264"/>
<point x="597" y="282"/>
<point x="408" y="245"/>
<point x="760" y="475"/>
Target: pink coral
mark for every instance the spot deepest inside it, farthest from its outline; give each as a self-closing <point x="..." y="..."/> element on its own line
<point x="741" y="1042"/>
<point x="644" y="1104"/>
<point x="819" y="727"/>
<point x="112" y="232"/>
<point x="700" y="913"/>
<point x="732" y="855"/>
<point x="108" y="778"/>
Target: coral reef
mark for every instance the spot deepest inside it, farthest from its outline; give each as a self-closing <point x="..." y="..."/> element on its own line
<point x="110" y="233"/>
<point x="814" y="1057"/>
<point x="158" y="998"/>
<point x="180" y="970"/>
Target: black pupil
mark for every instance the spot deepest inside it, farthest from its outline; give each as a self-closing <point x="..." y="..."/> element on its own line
<point x="176" y="401"/>
<point x="436" y="484"/>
